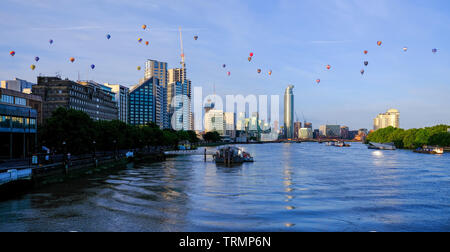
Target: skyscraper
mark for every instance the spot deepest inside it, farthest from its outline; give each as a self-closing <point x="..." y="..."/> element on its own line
<point x="390" y="118"/>
<point x="122" y="97"/>
<point x="142" y="103"/>
<point x="289" y="112"/>
<point x="154" y="68"/>
<point x="179" y="106"/>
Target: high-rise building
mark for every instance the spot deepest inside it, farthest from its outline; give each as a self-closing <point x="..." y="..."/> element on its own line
<point x="305" y="133"/>
<point x="154" y="68"/>
<point x="289" y="112"/>
<point x="179" y="106"/>
<point x="122" y="95"/>
<point x="92" y="98"/>
<point x="142" y="103"/>
<point x="345" y="132"/>
<point x="308" y="125"/>
<point x="214" y="121"/>
<point x="330" y="130"/>
<point x="297" y="127"/>
<point x="254" y="124"/>
<point x="388" y="119"/>
<point x="230" y="125"/>
<point x="176" y="75"/>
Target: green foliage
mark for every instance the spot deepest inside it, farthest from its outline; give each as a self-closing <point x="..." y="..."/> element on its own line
<point x="212" y="137"/>
<point x="412" y="138"/>
<point x="79" y="132"/>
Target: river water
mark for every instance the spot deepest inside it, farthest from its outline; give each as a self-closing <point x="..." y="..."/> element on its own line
<point x="290" y="187"/>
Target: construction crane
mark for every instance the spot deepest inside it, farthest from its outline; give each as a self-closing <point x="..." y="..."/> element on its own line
<point x="304" y="120"/>
<point x="183" y="63"/>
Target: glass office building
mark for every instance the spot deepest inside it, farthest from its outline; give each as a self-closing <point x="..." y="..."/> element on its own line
<point x="141" y="105"/>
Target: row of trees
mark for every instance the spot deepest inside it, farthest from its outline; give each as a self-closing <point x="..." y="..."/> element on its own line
<point x="74" y="131"/>
<point x="412" y="138"/>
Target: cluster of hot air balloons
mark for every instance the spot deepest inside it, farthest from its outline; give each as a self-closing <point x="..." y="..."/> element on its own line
<point x="366" y="63"/>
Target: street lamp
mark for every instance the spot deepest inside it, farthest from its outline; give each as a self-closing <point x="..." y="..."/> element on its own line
<point x="94" y="148"/>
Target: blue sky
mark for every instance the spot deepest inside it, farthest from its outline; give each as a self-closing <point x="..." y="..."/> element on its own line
<point x="295" y="39"/>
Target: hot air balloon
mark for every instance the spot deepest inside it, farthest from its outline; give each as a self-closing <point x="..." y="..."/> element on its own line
<point x="249" y="59"/>
<point x="139" y="68"/>
<point x="229" y="73"/>
<point x="379" y="43"/>
<point x="72" y="59"/>
<point x="32" y="67"/>
<point x="140" y="40"/>
<point x="405" y="49"/>
<point x="92" y="66"/>
<point x="146" y="43"/>
<point x="434" y="50"/>
<point x="108" y="36"/>
<point x="224" y="65"/>
<point x="50" y="41"/>
<point x="362" y="71"/>
<point x="12" y="53"/>
<point x="318" y="81"/>
<point x="366" y="52"/>
<point x="328" y="67"/>
<point x="251" y="54"/>
<point x="259" y="70"/>
<point x="270" y="72"/>
<point x="366" y="63"/>
<point x="144" y="27"/>
<point x="196" y="37"/>
<point x="36" y="59"/>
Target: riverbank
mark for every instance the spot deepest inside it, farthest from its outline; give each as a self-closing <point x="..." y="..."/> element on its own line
<point x="39" y="176"/>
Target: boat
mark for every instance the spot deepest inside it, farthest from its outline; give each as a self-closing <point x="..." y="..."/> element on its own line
<point x="379" y="146"/>
<point x="247" y="157"/>
<point x="229" y="155"/>
<point x="331" y="143"/>
<point x="430" y="150"/>
<point x="341" y="144"/>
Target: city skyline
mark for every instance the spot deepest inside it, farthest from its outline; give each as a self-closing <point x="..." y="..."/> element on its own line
<point x="414" y="82"/>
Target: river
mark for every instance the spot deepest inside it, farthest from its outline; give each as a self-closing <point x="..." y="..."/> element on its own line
<point x="290" y="187"/>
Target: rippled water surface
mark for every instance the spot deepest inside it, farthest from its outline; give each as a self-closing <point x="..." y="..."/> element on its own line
<point x="290" y="187"/>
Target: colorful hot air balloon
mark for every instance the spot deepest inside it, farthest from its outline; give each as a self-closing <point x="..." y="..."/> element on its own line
<point x="36" y="59"/>
<point x="108" y="36"/>
<point x="146" y="43"/>
<point x="328" y="67"/>
<point x="139" y="68"/>
<point x="72" y="59"/>
<point x="50" y="41"/>
<point x="362" y="71"/>
<point x="379" y="43"/>
<point x="366" y="52"/>
<point x="12" y="53"/>
<point x="366" y="63"/>
<point x="140" y="40"/>
<point x="195" y="37"/>
<point x="224" y="65"/>
<point x="318" y="81"/>
<point x="229" y="73"/>
<point x="32" y="67"/>
<point x="434" y="50"/>
<point x="92" y="66"/>
<point x="270" y="72"/>
<point x="405" y="49"/>
<point x="144" y="27"/>
<point x="249" y="59"/>
<point x="259" y="70"/>
<point x="251" y="54"/>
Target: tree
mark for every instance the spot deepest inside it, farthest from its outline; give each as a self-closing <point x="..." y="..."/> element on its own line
<point x="212" y="137"/>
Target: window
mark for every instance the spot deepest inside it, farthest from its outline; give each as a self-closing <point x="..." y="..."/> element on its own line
<point x="5" y="121"/>
<point x="7" y="99"/>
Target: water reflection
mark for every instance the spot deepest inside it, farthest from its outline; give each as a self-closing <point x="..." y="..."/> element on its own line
<point x="294" y="187"/>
